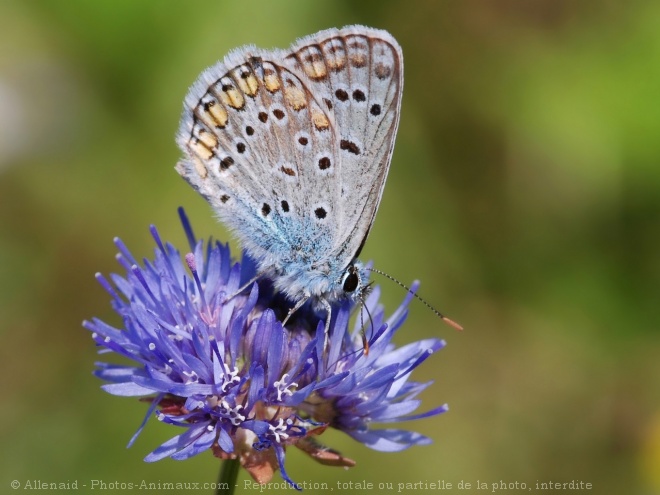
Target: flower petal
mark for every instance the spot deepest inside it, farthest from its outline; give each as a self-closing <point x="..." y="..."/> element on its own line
<point x="390" y="440"/>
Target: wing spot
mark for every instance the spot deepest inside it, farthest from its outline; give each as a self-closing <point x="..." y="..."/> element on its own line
<point x="249" y="130"/>
<point x="358" y="95"/>
<point x="207" y="139"/>
<point x="314" y="66"/>
<point x="271" y="80"/>
<point x="358" y="60"/>
<point x="265" y="209"/>
<point x="382" y="71"/>
<point x="263" y="117"/>
<point x="248" y="84"/>
<point x="375" y="109"/>
<point x="341" y="95"/>
<point x="320" y="213"/>
<point x="328" y="103"/>
<point x="200" y="149"/>
<point x="240" y="147"/>
<point x="285" y="206"/>
<point x="214" y="115"/>
<point x="335" y="56"/>
<point x="232" y="97"/>
<point x="321" y="122"/>
<point x="337" y="63"/>
<point x="226" y="162"/>
<point x="295" y="97"/>
<point x="324" y="163"/>
<point x="288" y="171"/>
<point x="224" y="198"/>
<point x="278" y="113"/>
<point x="199" y="167"/>
<point x="303" y="140"/>
<point x="349" y="146"/>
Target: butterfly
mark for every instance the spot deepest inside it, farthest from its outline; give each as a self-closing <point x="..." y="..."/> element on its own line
<point x="292" y="149"/>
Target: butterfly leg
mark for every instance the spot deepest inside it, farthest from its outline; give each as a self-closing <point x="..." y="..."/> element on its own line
<point x="300" y="302"/>
<point x="326" y="329"/>
<point x="241" y="289"/>
<point x="328" y="309"/>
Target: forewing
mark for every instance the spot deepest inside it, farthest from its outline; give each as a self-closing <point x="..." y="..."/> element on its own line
<point x="260" y="149"/>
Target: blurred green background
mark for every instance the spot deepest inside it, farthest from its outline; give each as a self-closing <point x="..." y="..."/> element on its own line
<point x="524" y="192"/>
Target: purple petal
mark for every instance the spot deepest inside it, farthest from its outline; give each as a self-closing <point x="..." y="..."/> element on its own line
<point x="389" y="440"/>
<point x="199" y="445"/>
<point x="224" y="441"/>
<point x="177" y="443"/>
<point x="126" y="389"/>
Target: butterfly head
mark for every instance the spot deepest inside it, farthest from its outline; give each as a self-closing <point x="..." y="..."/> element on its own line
<point x="353" y="281"/>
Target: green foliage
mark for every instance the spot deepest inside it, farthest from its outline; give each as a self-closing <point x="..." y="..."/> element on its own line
<point x="524" y="192"/>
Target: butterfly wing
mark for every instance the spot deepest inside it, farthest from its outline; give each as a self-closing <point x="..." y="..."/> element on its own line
<point x="248" y="127"/>
<point x="292" y="148"/>
<point x="357" y="74"/>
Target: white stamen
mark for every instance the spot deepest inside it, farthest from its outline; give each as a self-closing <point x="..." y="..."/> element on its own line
<point x="232" y="415"/>
<point x="231" y="377"/>
<point x="279" y="431"/>
<point x="283" y="388"/>
<point x="192" y="377"/>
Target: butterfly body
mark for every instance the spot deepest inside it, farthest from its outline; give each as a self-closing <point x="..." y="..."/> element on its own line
<point x="292" y="149"/>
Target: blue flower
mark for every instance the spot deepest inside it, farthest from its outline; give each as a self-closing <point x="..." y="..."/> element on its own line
<point x="375" y="387"/>
<point x="219" y="365"/>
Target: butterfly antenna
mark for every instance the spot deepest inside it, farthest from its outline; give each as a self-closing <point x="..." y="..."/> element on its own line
<point x="448" y="321"/>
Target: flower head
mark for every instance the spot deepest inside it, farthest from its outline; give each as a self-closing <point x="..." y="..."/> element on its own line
<point x="219" y="364"/>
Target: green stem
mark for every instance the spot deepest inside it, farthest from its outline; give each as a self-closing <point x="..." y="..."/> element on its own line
<point x="228" y="477"/>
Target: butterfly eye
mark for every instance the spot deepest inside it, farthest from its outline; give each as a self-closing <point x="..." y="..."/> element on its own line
<point x="351" y="280"/>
